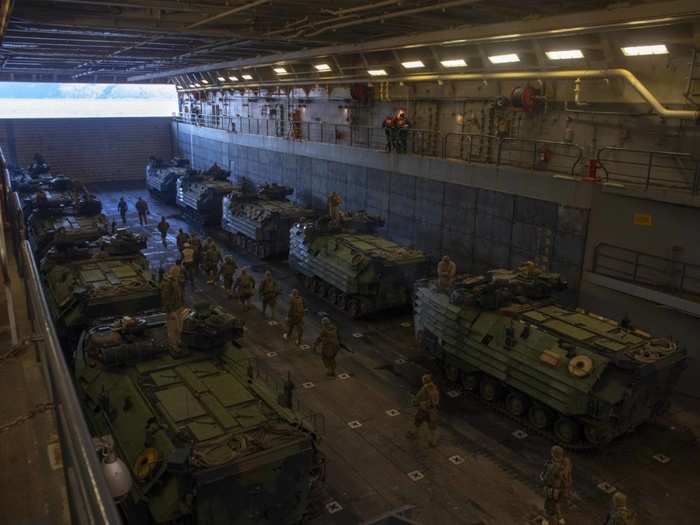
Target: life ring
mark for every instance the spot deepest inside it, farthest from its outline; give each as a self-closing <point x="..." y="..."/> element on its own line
<point x="581" y="366"/>
<point x="145" y="464"/>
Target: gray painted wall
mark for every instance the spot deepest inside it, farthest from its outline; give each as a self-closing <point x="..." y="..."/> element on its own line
<point x="479" y="227"/>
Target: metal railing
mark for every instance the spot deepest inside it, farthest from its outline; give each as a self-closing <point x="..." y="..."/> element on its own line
<point x="536" y="155"/>
<point x="88" y="495"/>
<point x="671" y="275"/>
<point x="89" y="498"/>
<point x="533" y="154"/>
<point x="666" y="170"/>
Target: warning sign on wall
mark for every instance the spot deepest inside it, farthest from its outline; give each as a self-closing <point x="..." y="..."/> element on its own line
<point x="642" y="219"/>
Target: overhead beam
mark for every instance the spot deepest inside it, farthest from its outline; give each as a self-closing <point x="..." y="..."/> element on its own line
<point x="636" y="17"/>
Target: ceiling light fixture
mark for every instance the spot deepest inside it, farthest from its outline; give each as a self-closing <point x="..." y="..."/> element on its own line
<point x="377" y="72"/>
<point x="322" y="67"/>
<point x="504" y="59"/>
<point x="455" y="62"/>
<point x="413" y="64"/>
<point x="205" y="81"/>
<point x="247" y="77"/>
<point x="638" y="51"/>
<point x="197" y="85"/>
<point x="568" y="54"/>
<point x="221" y="79"/>
<point x="233" y="78"/>
<point x="280" y="71"/>
<point x="192" y="85"/>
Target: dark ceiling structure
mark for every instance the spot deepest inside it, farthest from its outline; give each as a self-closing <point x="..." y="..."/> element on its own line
<point x="118" y="40"/>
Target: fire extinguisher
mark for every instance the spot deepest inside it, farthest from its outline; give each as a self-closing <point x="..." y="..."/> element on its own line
<point x="592" y="171"/>
<point x="543" y="154"/>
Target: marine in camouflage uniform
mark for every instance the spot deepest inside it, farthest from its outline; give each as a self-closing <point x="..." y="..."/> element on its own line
<point x="228" y="272"/>
<point x="329" y="343"/>
<point x="269" y="290"/>
<point x="177" y="274"/>
<point x="620" y="514"/>
<point x="188" y="261"/>
<point x="554" y="477"/>
<point x="163" y="227"/>
<point x="295" y="317"/>
<point x="428" y="401"/>
<point x="334" y="202"/>
<point x="244" y="287"/>
<point x="173" y="301"/>
<point x="446" y="270"/>
<point x="181" y="239"/>
<point x="196" y="244"/>
<point x="211" y="262"/>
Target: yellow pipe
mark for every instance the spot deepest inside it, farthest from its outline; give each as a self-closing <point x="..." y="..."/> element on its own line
<point x="628" y="76"/>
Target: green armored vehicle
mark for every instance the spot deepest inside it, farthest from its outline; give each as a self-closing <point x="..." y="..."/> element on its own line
<point x="258" y="222"/>
<point x="578" y="377"/>
<point x="350" y="267"/>
<point x="205" y="441"/>
<point x="107" y="279"/>
<point x="199" y="194"/>
<point x="47" y="229"/>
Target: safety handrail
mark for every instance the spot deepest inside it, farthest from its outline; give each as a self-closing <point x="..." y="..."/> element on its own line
<point x="647" y="269"/>
<point x="649" y="176"/>
<point x="89" y="495"/>
<point x="420" y="142"/>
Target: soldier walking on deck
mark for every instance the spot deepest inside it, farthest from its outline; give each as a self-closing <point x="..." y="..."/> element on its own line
<point x="173" y="301"/>
<point x="244" y="288"/>
<point x="554" y="478"/>
<point x="446" y="270"/>
<point x="620" y="514"/>
<point x="177" y="273"/>
<point x="428" y="401"/>
<point x="212" y="257"/>
<point x="196" y="243"/>
<point x="268" y="291"/>
<point x="181" y="239"/>
<point x="142" y="208"/>
<point x="188" y="262"/>
<point x="122" y="207"/>
<point x="295" y="317"/>
<point x="228" y="272"/>
<point x="329" y="343"/>
<point x="163" y="227"/>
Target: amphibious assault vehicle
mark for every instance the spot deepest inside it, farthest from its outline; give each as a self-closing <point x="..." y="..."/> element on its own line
<point x="259" y="221"/>
<point x="199" y="194"/>
<point x="109" y="278"/>
<point x="576" y="376"/>
<point x="350" y="267"/>
<point x="200" y="439"/>
<point x="161" y="177"/>
<point x="46" y="229"/>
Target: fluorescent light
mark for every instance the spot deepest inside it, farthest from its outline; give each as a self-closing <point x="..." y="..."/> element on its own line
<point x="504" y="59"/>
<point x="191" y="85"/>
<point x="637" y="51"/>
<point x="221" y="79"/>
<point x="413" y="64"/>
<point x="322" y="67"/>
<point x="233" y="78"/>
<point x="280" y="71"/>
<point x="568" y="54"/>
<point x="455" y="62"/>
<point x="197" y="85"/>
<point x="204" y="81"/>
<point x="377" y="72"/>
<point x="247" y="77"/>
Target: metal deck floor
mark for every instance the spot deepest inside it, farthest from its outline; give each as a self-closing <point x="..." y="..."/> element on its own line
<point x="368" y="466"/>
<point x="32" y="483"/>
